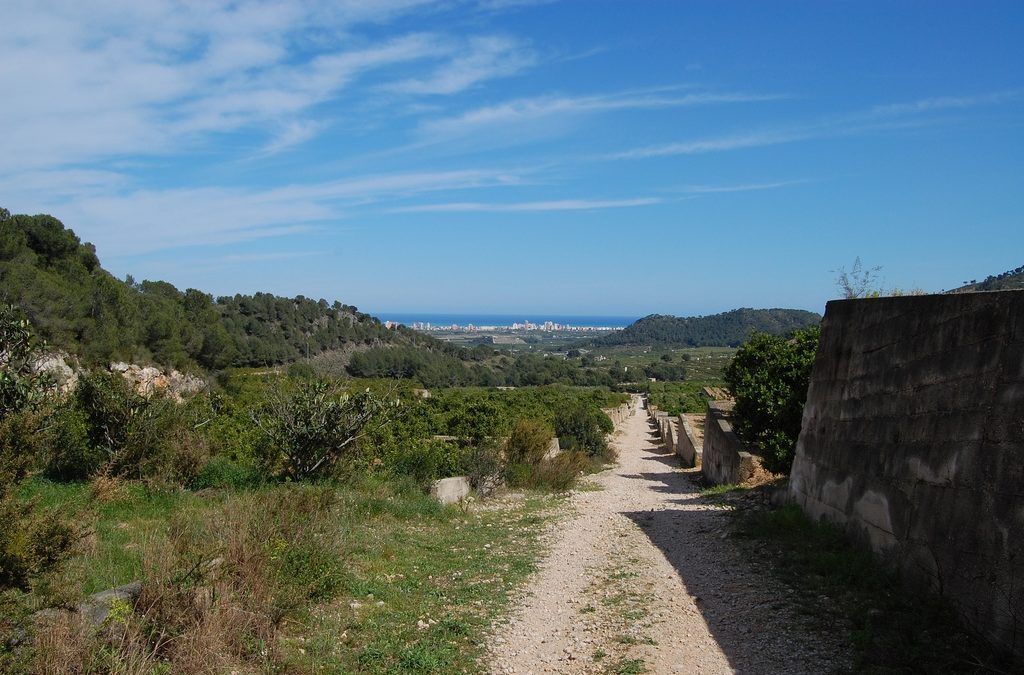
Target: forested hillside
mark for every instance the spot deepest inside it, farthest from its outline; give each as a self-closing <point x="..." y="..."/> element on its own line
<point x="78" y="306"/>
<point x="728" y="329"/>
<point x="1007" y="281"/>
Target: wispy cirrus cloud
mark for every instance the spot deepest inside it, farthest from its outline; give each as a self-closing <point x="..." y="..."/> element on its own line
<point x="744" y="187"/>
<point x="119" y="78"/>
<point x="480" y="59"/>
<point x="876" y="118"/>
<point x="510" y="116"/>
<point x="515" y="207"/>
<point x="144" y="221"/>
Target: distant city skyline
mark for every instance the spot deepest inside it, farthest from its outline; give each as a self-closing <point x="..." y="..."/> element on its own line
<point x="511" y="156"/>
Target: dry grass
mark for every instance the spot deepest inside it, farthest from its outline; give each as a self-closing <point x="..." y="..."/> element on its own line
<point x="217" y="590"/>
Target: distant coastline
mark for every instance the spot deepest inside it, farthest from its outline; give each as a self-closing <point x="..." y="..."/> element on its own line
<point x="442" y="319"/>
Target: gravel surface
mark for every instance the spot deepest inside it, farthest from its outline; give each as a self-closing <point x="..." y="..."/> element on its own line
<point x="641" y="576"/>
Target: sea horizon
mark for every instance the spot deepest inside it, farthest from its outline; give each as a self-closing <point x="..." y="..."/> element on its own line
<point x="463" y="319"/>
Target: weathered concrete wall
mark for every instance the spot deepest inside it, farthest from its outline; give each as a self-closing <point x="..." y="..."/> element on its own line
<point x="686" y="444"/>
<point x="725" y="460"/>
<point x="913" y="438"/>
<point x="619" y="414"/>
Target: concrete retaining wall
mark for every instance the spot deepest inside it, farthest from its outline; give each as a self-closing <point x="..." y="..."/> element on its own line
<point x="913" y="439"/>
<point x="620" y="414"/>
<point x="686" y="444"/>
<point x="725" y="460"/>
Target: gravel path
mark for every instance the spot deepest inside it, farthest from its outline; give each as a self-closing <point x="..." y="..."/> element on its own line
<point x="641" y="575"/>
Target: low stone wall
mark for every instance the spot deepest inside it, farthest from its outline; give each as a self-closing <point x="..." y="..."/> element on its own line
<point x="913" y="440"/>
<point x="725" y="460"/>
<point x="619" y="414"/>
<point x="687" y="447"/>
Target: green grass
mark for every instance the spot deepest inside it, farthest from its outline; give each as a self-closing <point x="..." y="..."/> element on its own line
<point x="630" y="667"/>
<point x="420" y="587"/>
<point x="719" y="490"/>
<point x="893" y="628"/>
<point x="116" y="529"/>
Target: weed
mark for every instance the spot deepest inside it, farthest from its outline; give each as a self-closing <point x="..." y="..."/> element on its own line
<point x="630" y="667"/>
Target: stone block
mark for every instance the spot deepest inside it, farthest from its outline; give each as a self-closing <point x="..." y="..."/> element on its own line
<point x="451" y="490"/>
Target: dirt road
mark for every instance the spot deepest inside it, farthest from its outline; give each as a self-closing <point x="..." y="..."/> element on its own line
<point x="641" y="576"/>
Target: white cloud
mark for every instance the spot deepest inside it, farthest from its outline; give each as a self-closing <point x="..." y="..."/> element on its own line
<point x="482" y="58"/>
<point x="515" y="114"/>
<point x="144" y="221"/>
<point x="292" y="134"/>
<point x="714" y="144"/>
<point x="552" y="205"/>
<point x="117" y="78"/>
<point x="747" y="187"/>
<point x="878" y="118"/>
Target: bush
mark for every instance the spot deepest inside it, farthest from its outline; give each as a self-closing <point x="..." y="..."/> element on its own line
<point x="583" y="428"/>
<point x="143" y="437"/>
<point x="559" y="473"/>
<point x="308" y="431"/>
<point x="483" y="467"/>
<point x="426" y="460"/>
<point x="769" y="377"/>
<point x="528" y="465"/>
<point x="528" y="442"/>
<point x="68" y="454"/>
<point x="33" y="541"/>
<point x="223" y="472"/>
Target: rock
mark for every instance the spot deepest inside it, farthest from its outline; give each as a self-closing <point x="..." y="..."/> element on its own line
<point x="149" y="380"/>
<point x="56" y="367"/>
<point x="451" y="490"/>
<point x="97" y="608"/>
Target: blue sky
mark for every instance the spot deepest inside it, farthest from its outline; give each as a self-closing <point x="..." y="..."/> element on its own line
<point x="578" y="157"/>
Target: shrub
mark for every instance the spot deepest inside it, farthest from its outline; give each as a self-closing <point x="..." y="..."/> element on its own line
<point x="68" y="454"/>
<point x="21" y="386"/>
<point x="308" y="431"/>
<point x="33" y="541"/>
<point x="426" y="460"/>
<point x="482" y="466"/>
<point x="528" y="442"/>
<point x="145" y="437"/>
<point x="769" y="377"/>
<point x="224" y="472"/>
<point x="561" y="472"/>
<point x="583" y="428"/>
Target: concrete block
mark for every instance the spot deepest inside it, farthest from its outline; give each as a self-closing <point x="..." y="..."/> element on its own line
<point x="451" y="490"/>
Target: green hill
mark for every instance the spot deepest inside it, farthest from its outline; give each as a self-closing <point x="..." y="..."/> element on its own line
<point x="79" y="307"/>
<point x="728" y="329"/>
<point x="1007" y="281"/>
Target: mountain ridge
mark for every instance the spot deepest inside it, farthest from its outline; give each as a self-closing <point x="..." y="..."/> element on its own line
<point x="725" y="329"/>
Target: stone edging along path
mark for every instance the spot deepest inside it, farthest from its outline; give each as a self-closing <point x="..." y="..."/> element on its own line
<point x="640" y="573"/>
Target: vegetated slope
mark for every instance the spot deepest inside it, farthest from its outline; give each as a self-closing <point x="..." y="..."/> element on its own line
<point x="1007" y="281"/>
<point x="728" y="329"/>
<point x="78" y="306"/>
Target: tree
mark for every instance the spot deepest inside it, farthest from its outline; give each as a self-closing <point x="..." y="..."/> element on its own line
<point x="769" y="377"/>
